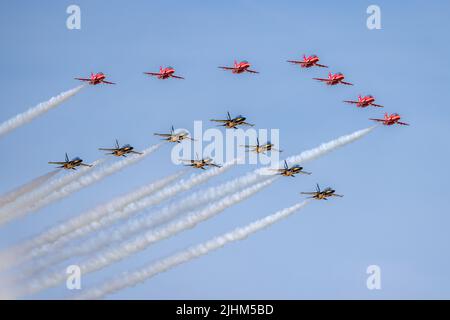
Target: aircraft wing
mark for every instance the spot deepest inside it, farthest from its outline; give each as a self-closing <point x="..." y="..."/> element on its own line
<point x="311" y="193"/>
<point x="223" y="121"/>
<point x="403" y="123"/>
<point x="376" y="105"/>
<point x="60" y="163"/>
<point x="215" y="165"/>
<point x="251" y="71"/>
<point x="347" y="83"/>
<point x="379" y="120"/>
<point x="321" y="65"/>
<point x="348" y="101"/>
<point x="107" y="82"/>
<point x="177" y="77"/>
<point x="247" y="124"/>
<point x="136" y="152"/>
<point x="321" y="79"/>
<point x="227" y="68"/>
<point x="337" y="195"/>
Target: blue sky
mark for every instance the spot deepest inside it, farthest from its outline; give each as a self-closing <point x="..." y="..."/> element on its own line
<point x="395" y="210"/>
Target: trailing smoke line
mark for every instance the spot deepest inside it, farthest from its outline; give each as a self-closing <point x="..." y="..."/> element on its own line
<point x="128" y="279"/>
<point x="147" y="221"/>
<point x="124" y="250"/>
<point x="128" y="210"/>
<point x="84" y="223"/>
<point x="27" y="187"/>
<point x="95" y="176"/>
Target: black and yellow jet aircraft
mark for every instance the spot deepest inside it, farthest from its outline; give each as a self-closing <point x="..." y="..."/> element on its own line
<point x="233" y="123"/>
<point x="261" y="148"/>
<point x="201" y="163"/>
<point x="290" y="171"/>
<point x="174" y="137"/>
<point x="71" y="164"/>
<point x="119" y="151"/>
<point x="322" y="195"/>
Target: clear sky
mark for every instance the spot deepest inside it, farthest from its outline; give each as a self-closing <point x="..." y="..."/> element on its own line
<point x="395" y="210"/>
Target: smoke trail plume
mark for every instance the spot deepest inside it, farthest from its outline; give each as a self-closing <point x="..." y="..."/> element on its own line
<point x="129" y="279"/>
<point x="9" y="211"/>
<point x="125" y="249"/>
<point x="28" y="187"/>
<point x="85" y="181"/>
<point x="203" y="196"/>
<point x="17" y="208"/>
<point x="30" y="114"/>
<point x="146" y="221"/>
<point x="57" y="236"/>
<point x="323" y="149"/>
<point x="8" y="288"/>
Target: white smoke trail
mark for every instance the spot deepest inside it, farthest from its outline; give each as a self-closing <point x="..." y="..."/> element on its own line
<point x="84" y="223"/>
<point x="28" y="187"/>
<point x="203" y="196"/>
<point x="57" y="240"/>
<point x="36" y="111"/>
<point x="83" y="182"/>
<point x="125" y="249"/>
<point x="128" y="279"/>
<point x="10" y="210"/>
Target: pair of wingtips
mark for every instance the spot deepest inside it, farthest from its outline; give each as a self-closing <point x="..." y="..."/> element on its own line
<point x="322" y="194"/>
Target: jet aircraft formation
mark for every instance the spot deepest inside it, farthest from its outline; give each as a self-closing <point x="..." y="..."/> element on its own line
<point x="306" y="62"/>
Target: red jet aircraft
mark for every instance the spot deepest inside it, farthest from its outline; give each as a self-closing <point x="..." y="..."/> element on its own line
<point x="96" y="79"/>
<point x="334" y="79"/>
<point x="308" y="62"/>
<point x="389" y="120"/>
<point x="164" y="73"/>
<point x="364" y="102"/>
<point x="240" y="67"/>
